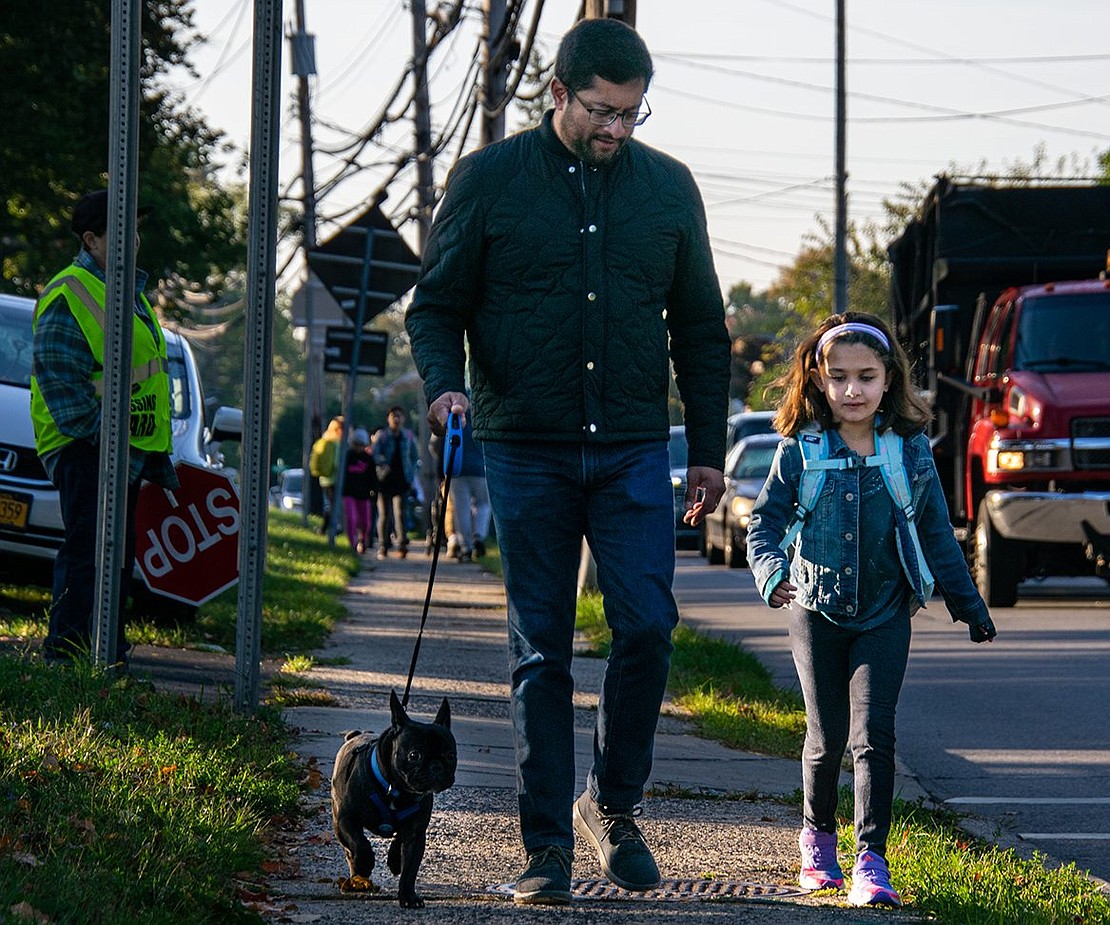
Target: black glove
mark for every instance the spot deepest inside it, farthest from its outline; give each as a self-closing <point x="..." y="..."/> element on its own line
<point x="983" y="631"/>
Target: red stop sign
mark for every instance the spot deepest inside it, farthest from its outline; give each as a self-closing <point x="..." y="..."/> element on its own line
<point x="187" y="541"/>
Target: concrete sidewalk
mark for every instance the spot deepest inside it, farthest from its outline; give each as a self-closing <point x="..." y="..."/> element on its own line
<point x="714" y="817"/>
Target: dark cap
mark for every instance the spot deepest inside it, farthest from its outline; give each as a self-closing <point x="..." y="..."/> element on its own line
<point x="91" y="213"/>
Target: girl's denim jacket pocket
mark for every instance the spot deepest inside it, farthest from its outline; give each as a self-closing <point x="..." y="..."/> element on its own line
<point x="822" y="568"/>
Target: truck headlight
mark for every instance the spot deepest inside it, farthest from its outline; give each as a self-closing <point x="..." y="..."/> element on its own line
<point x="1022" y="456"/>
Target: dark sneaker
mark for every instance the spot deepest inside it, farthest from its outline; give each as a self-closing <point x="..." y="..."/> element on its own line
<point x="546" y="879"/>
<point x="479" y="549"/>
<point x="624" y="855"/>
<point x="871" y="883"/>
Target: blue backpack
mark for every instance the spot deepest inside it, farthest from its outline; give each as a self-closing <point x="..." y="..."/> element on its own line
<point x="814" y="447"/>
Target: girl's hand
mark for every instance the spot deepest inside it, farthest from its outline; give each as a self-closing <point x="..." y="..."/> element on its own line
<point x="983" y="632"/>
<point x="783" y="594"/>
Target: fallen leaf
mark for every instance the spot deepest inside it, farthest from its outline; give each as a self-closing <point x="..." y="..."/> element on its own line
<point x="50" y="762"/>
<point x="357" y="884"/>
<point x="25" y="910"/>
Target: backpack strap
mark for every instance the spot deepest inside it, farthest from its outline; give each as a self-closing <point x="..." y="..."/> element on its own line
<point x="814" y="447"/>
<point x="893" y="467"/>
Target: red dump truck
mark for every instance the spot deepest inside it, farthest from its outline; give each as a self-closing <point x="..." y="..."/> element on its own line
<point x="1001" y="294"/>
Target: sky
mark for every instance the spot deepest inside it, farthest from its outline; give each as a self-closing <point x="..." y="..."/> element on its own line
<point x="744" y="93"/>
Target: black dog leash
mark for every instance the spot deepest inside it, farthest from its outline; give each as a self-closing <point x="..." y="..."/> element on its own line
<point x="452" y="462"/>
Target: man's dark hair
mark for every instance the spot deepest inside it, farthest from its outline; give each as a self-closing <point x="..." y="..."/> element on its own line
<point x="605" y="48"/>
<point x="396" y="408"/>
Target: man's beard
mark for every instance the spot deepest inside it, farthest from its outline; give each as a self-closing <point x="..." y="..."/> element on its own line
<point x="583" y="148"/>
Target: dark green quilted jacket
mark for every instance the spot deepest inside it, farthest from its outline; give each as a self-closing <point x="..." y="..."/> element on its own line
<point x="574" y="286"/>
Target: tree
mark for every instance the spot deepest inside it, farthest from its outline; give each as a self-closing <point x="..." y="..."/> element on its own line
<point x="768" y="326"/>
<point x="55" y="99"/>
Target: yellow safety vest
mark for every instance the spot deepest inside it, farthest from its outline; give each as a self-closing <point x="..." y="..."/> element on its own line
<point x="149" y="424"/>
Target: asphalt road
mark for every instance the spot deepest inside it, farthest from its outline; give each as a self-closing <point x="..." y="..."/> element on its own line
<point x="1014" y="732"/>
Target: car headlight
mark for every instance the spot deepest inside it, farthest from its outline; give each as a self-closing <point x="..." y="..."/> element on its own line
<point x="741" y="509"/>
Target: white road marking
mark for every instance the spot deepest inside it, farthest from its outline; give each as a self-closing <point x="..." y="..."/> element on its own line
<point x="1031" y="801"/>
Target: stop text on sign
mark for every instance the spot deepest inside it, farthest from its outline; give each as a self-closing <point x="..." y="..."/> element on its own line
<point x="184" y="535"/>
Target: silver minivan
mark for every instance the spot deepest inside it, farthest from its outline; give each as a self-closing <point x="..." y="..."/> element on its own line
<point x="30" y="518"/>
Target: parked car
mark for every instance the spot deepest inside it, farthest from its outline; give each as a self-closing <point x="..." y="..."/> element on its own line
<point x="725" y="531"/>
<point x="745" y="423"/>
<point x="686" y="537"/>
<point x="288" y="493"/>
<point x="30" y="517"/>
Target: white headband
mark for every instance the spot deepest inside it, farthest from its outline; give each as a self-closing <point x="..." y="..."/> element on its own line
<point x="847" y="327"/>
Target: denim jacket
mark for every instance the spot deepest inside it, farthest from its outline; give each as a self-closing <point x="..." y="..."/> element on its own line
<point x="825" y="567"/>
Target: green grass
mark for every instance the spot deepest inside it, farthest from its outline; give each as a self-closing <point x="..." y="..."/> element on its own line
<point x="940" y="870"/>
<point x="122" y="804"/>
<point x="958" y="879"/>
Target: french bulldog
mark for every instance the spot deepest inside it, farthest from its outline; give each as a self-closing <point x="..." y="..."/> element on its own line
<point x="384" y="784"/>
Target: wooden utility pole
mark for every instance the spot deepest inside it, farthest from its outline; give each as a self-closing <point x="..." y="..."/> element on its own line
<point x="493" y="60"/>
<point x="841" y="241"/>
<point x="425" y="201"/>
<point x="624" y="10"/>
<point x="304" y="66"/>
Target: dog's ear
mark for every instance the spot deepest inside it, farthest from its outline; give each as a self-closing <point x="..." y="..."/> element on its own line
<point x="443" y="717"/>
<point x="396" y="711"/>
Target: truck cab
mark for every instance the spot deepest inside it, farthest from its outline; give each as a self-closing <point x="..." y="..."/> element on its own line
<point x="1037" y="483"/>
<point x="999" y="294"/>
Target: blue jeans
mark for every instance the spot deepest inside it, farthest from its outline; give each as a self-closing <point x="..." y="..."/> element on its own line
<point x="76" y="476"/>
<point x="545" y="498"/>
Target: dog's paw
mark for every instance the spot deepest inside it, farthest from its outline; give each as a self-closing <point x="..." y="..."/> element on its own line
<point x="410" y="901"/>
<point x="357" y="884"/>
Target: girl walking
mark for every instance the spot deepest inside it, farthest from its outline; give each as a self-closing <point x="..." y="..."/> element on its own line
<point x="863" y="562"/>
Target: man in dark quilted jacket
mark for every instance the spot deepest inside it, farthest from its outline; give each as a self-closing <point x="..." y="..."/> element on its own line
<point x="572" y="262"/>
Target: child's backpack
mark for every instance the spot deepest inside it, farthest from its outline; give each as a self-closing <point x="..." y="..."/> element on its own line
<point x="814" y="447"/>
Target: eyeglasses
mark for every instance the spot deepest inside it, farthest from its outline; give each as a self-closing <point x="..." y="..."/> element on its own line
<point x="629" y="119"/>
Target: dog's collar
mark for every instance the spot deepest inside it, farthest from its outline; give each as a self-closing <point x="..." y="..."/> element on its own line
<point x="393" y="804"/>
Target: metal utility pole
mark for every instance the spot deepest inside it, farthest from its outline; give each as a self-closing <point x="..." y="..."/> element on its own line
<point x="841" y="245"/>
<point x="493" y="59"/>
<point x="425" y="201"/>
<point x="258" y="354"/>
<point x="303" y="45"/>
<point x="119" y="309"/>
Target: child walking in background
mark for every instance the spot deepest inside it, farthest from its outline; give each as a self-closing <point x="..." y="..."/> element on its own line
<point x="359" y="484"/>
<point x="864" y="560"/>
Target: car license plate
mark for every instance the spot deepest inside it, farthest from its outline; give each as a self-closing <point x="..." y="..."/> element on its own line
<point x="14" y="510"/>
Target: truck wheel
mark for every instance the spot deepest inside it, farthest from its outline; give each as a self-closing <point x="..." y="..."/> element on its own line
<point x="997" y="563"/>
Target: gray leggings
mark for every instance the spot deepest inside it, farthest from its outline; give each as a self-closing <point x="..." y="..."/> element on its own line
<point x="850" y="681"/>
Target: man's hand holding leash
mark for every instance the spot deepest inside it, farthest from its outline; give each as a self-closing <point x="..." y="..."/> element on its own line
<point x="447" y="404"/>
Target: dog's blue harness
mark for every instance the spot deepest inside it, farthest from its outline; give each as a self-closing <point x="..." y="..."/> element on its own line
<point x="394" y="806"/>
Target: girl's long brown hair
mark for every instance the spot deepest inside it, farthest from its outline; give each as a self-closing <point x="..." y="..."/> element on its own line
<point x="804" y="403"/>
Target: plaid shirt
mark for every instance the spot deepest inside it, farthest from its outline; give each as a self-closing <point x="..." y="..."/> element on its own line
<point x="63" y="367"/>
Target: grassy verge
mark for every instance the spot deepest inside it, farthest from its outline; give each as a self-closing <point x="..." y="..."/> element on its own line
<point x="121" y="804"/>
<point x="941" y="870"/>
<point x="125" y="805"/>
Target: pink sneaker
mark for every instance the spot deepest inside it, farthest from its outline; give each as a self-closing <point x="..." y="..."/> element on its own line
<point x="871" y="883"/>
<point x="819" y="868"/>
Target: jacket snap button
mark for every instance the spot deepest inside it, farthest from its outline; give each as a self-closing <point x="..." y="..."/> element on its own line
<point x="848" y="570"/>
<point x="847" y="536"/>
<point x="592" y="296"/>
<point x="849" y="497"/>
